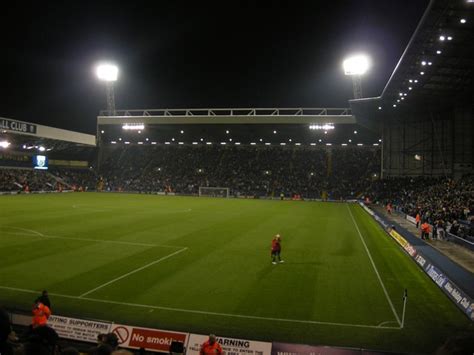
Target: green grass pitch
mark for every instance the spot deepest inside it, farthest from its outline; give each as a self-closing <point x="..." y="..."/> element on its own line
<point x="203" y="265"/>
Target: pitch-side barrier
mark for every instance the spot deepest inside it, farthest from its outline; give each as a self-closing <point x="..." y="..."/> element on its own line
<point x="159" y="340"/>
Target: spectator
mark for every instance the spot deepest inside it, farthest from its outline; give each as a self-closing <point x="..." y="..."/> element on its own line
<point x="44" y="299"/>
<point x="5" y="334"/>
<point x="211" y="347"/>
<point x="41" y="313"/>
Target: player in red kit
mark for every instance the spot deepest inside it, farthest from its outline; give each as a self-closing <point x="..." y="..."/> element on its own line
<point x="276" y="249"/>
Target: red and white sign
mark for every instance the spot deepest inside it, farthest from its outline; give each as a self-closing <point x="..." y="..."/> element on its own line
<point x="230" y="346"/>
<point x="150" y="339"/>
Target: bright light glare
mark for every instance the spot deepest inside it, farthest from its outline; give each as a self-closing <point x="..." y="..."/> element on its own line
<point x="463" y="20"/>
<point x="326" y="127"/>
<point x="4" y="144"/>
<point x="41" y="148"/>
<point x="107" y="72"/>
<point x="133" y="126"/>
<point x="356" y="65"/>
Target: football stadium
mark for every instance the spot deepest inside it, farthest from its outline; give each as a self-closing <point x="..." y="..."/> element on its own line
<point x="252" y="230"/>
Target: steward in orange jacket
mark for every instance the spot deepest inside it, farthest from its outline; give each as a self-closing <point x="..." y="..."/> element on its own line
<point x="425" y="231"/>
<point x="41" y="314"/>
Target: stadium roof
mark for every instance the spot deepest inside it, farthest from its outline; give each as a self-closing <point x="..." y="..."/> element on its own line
<point x="20" y="133"/>
<point x="437" y="65"/>
<point x="230" y="116"/>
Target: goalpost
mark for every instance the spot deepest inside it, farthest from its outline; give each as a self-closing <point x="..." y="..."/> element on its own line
<point x="213" y="191"/>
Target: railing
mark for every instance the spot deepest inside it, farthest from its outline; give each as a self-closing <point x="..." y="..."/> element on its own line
<point x="231" y="112"/>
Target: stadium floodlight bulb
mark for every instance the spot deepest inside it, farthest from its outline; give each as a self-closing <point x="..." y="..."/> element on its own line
<point x="410" y="88"/>
<point x="463" y="20"/>
<point x="133" y="126"/>
<point x="438" y="52"/>
<point x="107" y="72"/>
<point x="442" y="38"/>
<point x="450" y="38"/>
<point x="326" y="127"/>
<point x="423" y="62"/>
<point x="4" y="144"/>
<point x="41" y="148"/>
<point x="356" y="65"/>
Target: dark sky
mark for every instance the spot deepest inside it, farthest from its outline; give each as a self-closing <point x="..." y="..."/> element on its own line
<point x="177" y="54"/>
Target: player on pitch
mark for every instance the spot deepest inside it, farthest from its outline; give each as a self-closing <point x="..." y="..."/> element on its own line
<point x="276" y="249"/>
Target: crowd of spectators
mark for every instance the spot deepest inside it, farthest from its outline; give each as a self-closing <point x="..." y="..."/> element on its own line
<point x="246" y="171"/>
<point x="30" y="180"/>
<point x="442" y="202"/>
<point x="25" y="180"/>
<point x="76" y="179"/>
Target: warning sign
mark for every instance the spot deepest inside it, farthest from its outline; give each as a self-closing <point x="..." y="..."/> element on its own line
<point x="230" y="346"/>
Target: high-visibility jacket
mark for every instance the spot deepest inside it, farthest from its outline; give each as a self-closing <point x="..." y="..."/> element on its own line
<point x="425" y="227"/>
<point x="211" y="349"/>
<point x="41" y="314"/>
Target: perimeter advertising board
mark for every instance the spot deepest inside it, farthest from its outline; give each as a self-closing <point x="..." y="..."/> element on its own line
<point x="78" y="329"/>
<point x="147" y="338"/>
<point x="230" y="346"/>
<point x="300" y="349"/>
<point x="456" y="294"/>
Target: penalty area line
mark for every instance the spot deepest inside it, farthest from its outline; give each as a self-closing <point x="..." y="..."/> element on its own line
<point x="133" y="272"/>
<point x="192" y="311"/>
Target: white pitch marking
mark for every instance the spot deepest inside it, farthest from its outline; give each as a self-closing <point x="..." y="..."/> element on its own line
<point x="387" y="322"/>
<point x="182" y="310"/>
<point x="29" y="230"/>
<point x="133" y="272"/>
<point x="375" y="268"/>
<point x="89" y="239"/>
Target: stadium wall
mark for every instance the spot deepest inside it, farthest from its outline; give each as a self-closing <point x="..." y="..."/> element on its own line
<point x="442" y="140"/>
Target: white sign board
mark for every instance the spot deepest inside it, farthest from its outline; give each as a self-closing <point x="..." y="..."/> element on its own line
<point x="230" y="346"/>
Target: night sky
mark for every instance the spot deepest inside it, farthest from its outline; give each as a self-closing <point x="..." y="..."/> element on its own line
<point x="176" y="54"/>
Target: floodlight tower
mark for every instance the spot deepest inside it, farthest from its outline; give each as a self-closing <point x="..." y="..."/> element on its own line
<point x="108" y="73"/>
<point x="356" y="66"/>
